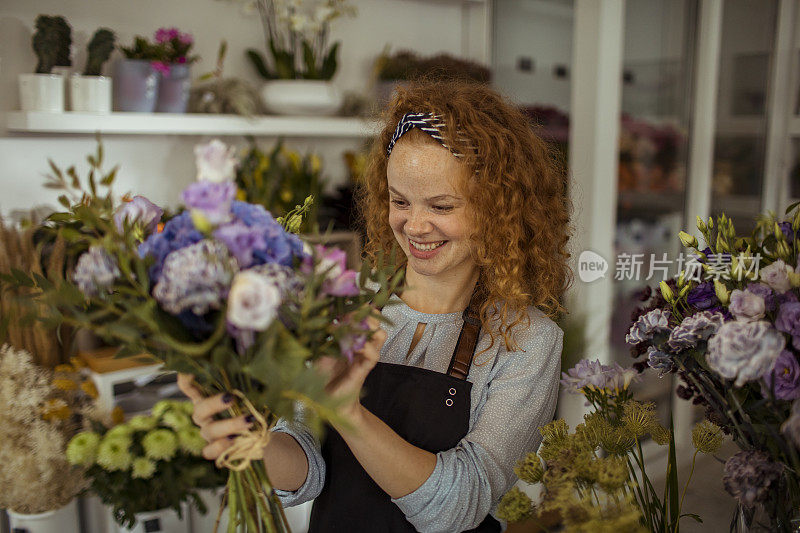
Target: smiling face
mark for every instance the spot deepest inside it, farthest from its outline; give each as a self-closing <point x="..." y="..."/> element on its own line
<point x="427" y="211"/>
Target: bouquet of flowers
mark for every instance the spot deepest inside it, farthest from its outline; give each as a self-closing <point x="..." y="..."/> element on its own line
<point x="596" y="479"/>
<point x="40" y="410"/>
<point x="223" y="291"/>
<point x="146" y="464"/>
<point x="296" y="32"/>
<point x="729" y="325"/>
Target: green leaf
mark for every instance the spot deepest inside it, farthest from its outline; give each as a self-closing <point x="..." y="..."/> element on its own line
<point x="257" y="60"/>
<point x="64" y="200"/>
<point x="310" y="61"/>
<point x="329" y="64"/>
<point x="109" y="178"/>
<point x="672" y="479"/>
<point x="693" y="516"/>
<point x="791" y="207"/>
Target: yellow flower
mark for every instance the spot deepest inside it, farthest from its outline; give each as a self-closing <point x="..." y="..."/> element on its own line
<point x="515" y="506"/>
<point x="316" y="164"/>
<point x="65" y="384"/>
<point x="660" y="434"/>
<point x="241" y="195"/>
<point x="294" y="160"/>
<point x="56" y="409"/>
<point x="286" y="195"/>
<point x="612" y="472"/>
<point x="90" y="389"/>
<point x="639" y="418"/>
<point x="529" y="469"/>
<point x="64" y="368"/>
<point x="707" y="437"/>
<point x="117" y="415"/>
<point x="77" y="362"/>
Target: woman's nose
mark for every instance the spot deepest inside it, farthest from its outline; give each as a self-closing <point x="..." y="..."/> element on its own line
<point x="418" y="222"/>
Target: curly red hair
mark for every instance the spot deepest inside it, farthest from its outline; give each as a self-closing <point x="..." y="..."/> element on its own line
<point x="518" y="197"/>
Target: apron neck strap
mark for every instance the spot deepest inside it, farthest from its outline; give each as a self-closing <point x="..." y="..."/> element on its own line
<point x="467" y="340"/>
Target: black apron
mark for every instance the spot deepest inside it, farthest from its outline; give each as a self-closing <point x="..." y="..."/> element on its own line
<point x="428" y="409"/>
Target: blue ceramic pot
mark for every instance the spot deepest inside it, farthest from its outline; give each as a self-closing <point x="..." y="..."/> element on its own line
<point x="173" y="90"/>
<point x="135" y="86"/>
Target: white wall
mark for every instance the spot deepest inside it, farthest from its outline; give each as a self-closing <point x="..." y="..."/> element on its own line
<point x="160" y="166"/>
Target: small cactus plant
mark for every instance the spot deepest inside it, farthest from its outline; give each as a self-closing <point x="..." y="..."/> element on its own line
<point x="99" y="50"/>
<point x="51" y="43"/>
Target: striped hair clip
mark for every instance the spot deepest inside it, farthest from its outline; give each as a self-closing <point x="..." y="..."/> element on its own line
<point x="430" y="124"/>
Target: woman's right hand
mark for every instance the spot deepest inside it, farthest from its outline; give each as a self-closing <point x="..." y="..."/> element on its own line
<point x="218" y="433"/>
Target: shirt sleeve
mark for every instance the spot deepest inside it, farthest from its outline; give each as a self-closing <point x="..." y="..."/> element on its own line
<point x="315" y="479"/>
<point x="469" y="480"/>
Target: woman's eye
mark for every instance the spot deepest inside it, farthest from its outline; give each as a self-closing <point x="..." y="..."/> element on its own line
<point x="443" y="208"/>
<point x="399" y="203"/>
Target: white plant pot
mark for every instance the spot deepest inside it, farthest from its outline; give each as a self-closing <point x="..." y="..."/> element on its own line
<point x="42" y="92"/>
<point x="161" y="521"/>
<point x="90" y="94"/>
<point x="204" y="523"/>
<point x="64" y="520"/>
<point x="301" y="97"/>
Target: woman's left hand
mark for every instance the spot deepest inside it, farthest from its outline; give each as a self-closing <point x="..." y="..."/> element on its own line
<point x="345" y="378"/>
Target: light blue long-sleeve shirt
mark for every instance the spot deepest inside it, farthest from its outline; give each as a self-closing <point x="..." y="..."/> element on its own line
<point x="513" y="393"/>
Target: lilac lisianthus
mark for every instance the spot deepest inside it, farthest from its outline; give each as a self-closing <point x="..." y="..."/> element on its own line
<point x="763" y="290"/>
<point x="786" y="229"/>
<point x="784" y="377"/>
<point x="750" y="476"/>
<point x="339" y="281"/>
<point x="746" y="305"/>
<point x="253" y="301"/>
<point x="196" y="278"/>
<point x="744" y="351"/>
<point x="216" y="162"/>
<point x="139" y="210"/>
<point x="178" y="233"/>
<point x="776" y="276"/>
<point x="95" y="271"/>
<point x="695" y="328"/>
<point x="213" y="200"/>
<point x="788" y="296"/>
<point x="595" y="375"/>
<point x="353" y="342"/>
<point x="242" y="241"/>
<point x="647" y="325"/>
<point x="703" y="296"/>
<point x="788" y="321"/>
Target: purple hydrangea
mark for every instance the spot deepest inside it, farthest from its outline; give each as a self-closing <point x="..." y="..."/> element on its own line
<point x="213" y="200"/>
<point x="95" y="271"/>
<point x="703" y="296"/>
<point x="784" y="377"/>
<point x="788" y="321"/>
<point x="281" y="246"/>
<point x="693" y="329"/>
<point x="750" y="476"/>
<point x="647" y="325"/>
<point x="746" y="305"/>
<point x="196" y="278"/>
<point x="178" y="233"/>
<point x="763" y="290"/>
<point x="744" y="351"/>
<point x="139" y="210"/>
<point x="242" y="241"/>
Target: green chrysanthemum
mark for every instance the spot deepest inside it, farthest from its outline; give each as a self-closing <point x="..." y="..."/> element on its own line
<point x="529" y="469"/>
<point x="119" y="431"/>
<point x="177" y="420"/>
<point x="515" y="506"/>
<point x="162" y="407"/>
<point x="707" y="437"/>
<point x="160" y="444"/>
<point x="143" y="468"/>
<point x="82" y="449"/>
<point x="114" y="454"/>
<point x="143" y="423"/>
<point x="191" y="441"/>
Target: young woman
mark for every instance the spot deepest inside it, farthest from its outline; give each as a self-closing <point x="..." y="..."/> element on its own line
<point x="454" y="390"/>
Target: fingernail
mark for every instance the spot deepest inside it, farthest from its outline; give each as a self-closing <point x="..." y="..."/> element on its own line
<point x="231" y="436"/>
<point x="249" y="419"/>
<point x="227" y="397"/>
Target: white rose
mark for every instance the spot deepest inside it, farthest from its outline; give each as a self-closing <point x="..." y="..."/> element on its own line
<point x="216" y="162"/>
<point x="253" y="301"/>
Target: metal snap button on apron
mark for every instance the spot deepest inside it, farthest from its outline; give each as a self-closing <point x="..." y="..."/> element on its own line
<point x="449" y="402"/>
<point x="452" y="391"/>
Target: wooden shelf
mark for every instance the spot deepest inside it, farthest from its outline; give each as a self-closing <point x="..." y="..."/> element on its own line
<point x="189" y="124"/>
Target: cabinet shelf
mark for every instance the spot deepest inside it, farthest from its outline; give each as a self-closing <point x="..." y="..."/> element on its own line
<point x="189" y="124"/>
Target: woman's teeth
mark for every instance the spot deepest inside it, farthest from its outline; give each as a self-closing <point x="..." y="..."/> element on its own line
<point x="426" y="247"/>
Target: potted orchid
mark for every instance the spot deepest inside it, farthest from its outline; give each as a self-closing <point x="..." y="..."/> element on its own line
<point x="302" y="61"/>
<point x="173" y="91"/>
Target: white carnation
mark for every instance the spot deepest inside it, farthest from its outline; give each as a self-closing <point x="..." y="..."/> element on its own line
<point x="253" y="301"/>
